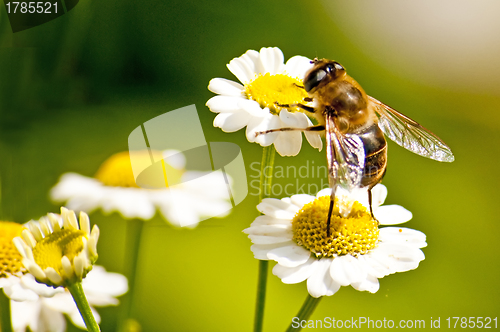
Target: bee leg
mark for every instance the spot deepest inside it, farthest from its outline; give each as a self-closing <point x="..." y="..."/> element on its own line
<point x="370" y="203"/>
<point x="330" y="211"/>
<point x="312" y="128"/>
<point x="306" y="99"/>
<point x="304" y="107"/>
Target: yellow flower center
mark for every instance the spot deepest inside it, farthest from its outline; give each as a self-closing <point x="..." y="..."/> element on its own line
<point x="269" y="89"/>
<point x="65" y="242"/>
<point x="10" y="259"/>
<point x="353" y="235"/>
<point x="116" y="171"/>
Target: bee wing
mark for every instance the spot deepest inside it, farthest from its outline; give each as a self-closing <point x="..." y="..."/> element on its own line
<point x="409" y="134"/>
<point x="346" y="156"/>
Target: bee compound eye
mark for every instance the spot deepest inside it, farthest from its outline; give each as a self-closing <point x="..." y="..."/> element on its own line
<point x="313" y="79"/>
<point x="338" y="66"/>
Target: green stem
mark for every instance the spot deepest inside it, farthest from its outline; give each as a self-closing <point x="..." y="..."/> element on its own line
<point x="134" y="234"/>
<point x="305" y="312"/>
<point x="261" y="295"/>
<point x="266" y="178"/>
<point x="5" y="319"/>
<point x="266" y="172"/>
<point x="76" y="291"/>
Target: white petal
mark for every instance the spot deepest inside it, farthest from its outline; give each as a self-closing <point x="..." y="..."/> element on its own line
<point x="297" y="66"/>
<point x="263" y="124"/>
<point x="320" y="283"/>
<point x="403" y="236"/>
<point x="289" y="256"/>
<point x="267" y="220"/>
<point x="62" y="302"/>
<point x="26" y="314"/>
<point x="392" y="215"/>
<point x="180" y="214"/>
<point x="266" y="239"/>
<point x="244" y="67"/>
<point x="37" y="316"/>
<point x="269" y="230"/>
<point x="324" y="192"/>
<point x="293" y="119"/>
<point x="8" y="281"/>
<point x="288" y="143"/>
<point x="260" y="250"/>
<point x="277" y="208"/>
<point x="53" y="276"/>
<point x="253" y="108"/>
<point x="130" y="202"/>
<point x="18" y="293"/>
<point x="34" y="269"/>
<point x="226" y="87"/>
<point x="174" y="158"/>
<point x="252" y="60"/>
<point x="100" y="282"/>
<point x="224" y="104"/>
<point x="379" y="194"/>
<point x="231" y="122"/>
<point x="397" y="257"/>
<point x="85" y="222"/>
<point x="347" y="269"/>
<point x="369" y="284"/>
<point x="294" y="275"/>
<point x="72" y="185"/>
<point x="313" y="137"/>
<point x="302" y="199"/>
<point x="374" y="267"/>
<point x="272" y="60"/>
<point x="29" y="282"/>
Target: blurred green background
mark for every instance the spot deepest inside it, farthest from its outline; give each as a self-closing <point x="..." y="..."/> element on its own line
<point x="73" y="89"/>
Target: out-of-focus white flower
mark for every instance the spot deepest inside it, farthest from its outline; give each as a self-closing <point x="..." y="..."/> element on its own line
<point x="293" y="233"/>
<point x="267" y="82"/>
<point x="41" y="307"/>
<point x="46" y="314"/>
<point x="114" y="188"/>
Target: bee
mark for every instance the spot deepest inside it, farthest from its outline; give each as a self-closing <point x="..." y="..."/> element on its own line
<point x="354" y="125"/>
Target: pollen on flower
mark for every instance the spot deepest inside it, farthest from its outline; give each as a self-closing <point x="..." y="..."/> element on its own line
<point x="49" y="251"/>
<point x="10" y="259"/>
<point x="269" y="89"/>
<point x="55" y="254"/>
<point x="353" y="235"/>
<point x="116" y="171"/>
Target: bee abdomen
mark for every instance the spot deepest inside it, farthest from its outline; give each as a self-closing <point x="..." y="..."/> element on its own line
<point x="375" y="155"/>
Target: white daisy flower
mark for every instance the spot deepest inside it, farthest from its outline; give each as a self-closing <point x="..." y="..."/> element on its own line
<point x="266" y="81"/>
<point x="11" y="267"/>
<point x="59" y="250"/>
<point x="292" y="232"/>
<point x="43" y="314"/>
<point x="114" y="189"/>
<point x="41" y="307"/>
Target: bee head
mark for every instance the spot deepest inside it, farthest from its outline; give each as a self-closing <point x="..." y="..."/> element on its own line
<point x="322" y="72"/>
